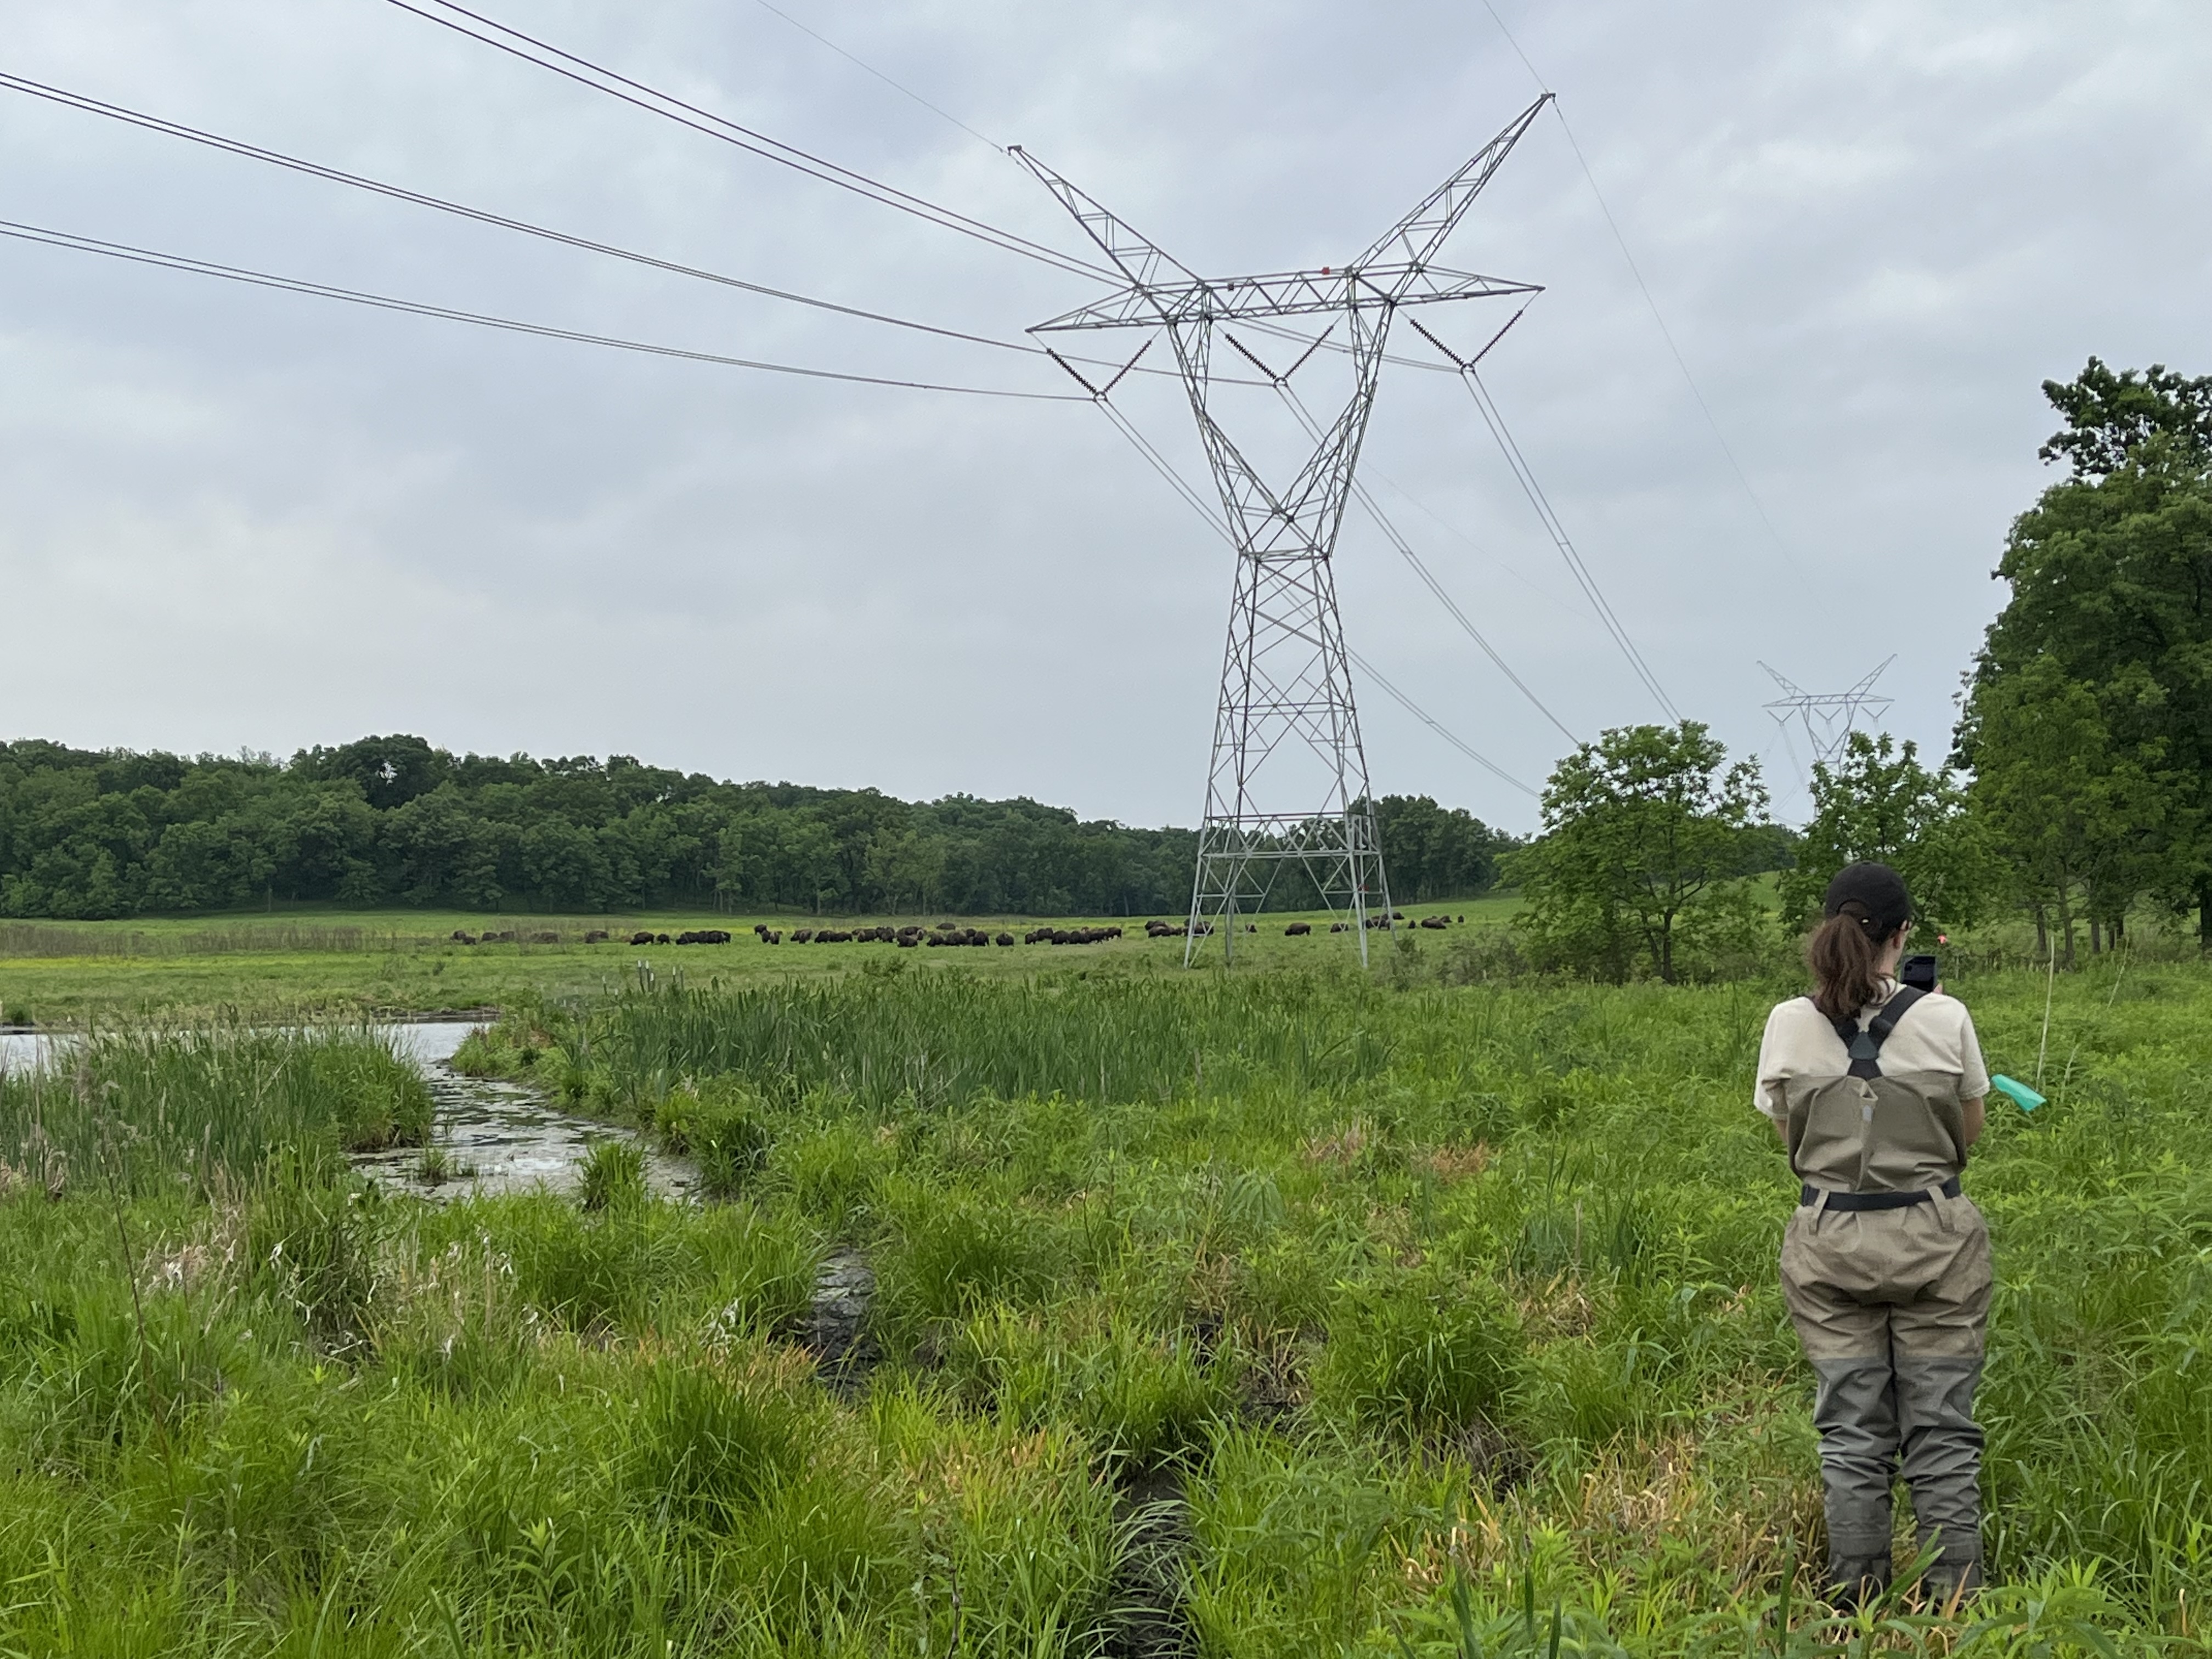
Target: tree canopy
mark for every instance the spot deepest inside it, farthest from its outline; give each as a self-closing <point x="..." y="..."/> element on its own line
<point x="396" y="821"/>
<point x="1877" y="801"/>
<point x="1641" y="865"/>
<point x="2088" y="715"/>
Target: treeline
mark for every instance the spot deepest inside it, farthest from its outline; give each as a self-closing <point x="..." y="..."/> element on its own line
<point x="2079" y="787"/>
<point x="393" y="821"/>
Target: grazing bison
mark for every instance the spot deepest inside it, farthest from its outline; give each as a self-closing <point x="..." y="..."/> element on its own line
<point x="1297" y="927"/>
<point x="461" y="936"/>
<point x="801" y="935"/>
<point x="1005" y="939"/>
<point x="1434" y="923"/>
<point x="597" y="936"/>
<point x="641" y="938"/>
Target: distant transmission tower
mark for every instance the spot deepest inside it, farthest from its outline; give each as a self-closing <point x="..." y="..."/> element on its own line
<point x="1827" y="716"/>
<point x="1288" y="781"/>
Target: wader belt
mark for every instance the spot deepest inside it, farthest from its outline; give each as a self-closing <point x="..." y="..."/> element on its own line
<point x="1874" y="1201"/>
<point x="1865" y="1046"/>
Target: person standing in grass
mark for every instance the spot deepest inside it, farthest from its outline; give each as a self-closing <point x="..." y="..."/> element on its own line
<point x="1876" y="1089"/>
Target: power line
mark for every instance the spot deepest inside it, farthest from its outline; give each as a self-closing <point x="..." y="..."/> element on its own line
<point x="124" y="251"/>
<point x="1390" y="532"/>
<point x="1418" y="714"/>
<point x="401" y="193"/>
<point x="166" y="128"/>
<point x="895" y="86"/>
<point x="1645" y="288"/>
<point x="1176" y="481"/>
<point x="1560" y="539"/>
<point x="600" y="78"/>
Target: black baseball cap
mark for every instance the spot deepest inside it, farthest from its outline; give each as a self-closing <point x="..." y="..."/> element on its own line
<point x="1872" y="895"/>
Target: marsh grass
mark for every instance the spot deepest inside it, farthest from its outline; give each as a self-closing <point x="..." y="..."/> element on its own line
<point x="1436" y="1320"/>
<point x="151" y="1104"/>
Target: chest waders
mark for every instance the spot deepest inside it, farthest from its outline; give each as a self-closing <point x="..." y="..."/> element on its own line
<point x="1886" y="1271"/>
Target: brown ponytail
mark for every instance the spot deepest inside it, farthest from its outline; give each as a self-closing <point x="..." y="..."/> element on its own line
<point x="1843" y="955"/>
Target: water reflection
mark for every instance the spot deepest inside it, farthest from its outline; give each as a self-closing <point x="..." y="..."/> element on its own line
<point x="494" y="1137"/>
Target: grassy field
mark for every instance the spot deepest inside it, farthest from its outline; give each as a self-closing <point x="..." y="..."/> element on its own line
<point x="407" y="962"/>
<point x="1295" y="1312"/>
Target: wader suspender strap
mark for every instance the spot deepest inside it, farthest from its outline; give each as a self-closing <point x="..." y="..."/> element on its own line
<point x="1865" y="1046"/>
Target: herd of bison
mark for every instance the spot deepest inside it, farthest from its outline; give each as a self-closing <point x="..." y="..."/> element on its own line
<point x="909" y="937"/>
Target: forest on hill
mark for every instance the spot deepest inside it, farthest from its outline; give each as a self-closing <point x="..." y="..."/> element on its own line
<point x="395" y="821"/>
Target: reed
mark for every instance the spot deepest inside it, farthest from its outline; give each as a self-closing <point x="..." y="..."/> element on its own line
<point x="149" y="1104"/>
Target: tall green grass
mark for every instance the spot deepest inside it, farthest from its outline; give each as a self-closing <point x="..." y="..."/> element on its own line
<point x="143" y="1105"/>
<point x="934" y="1038"/>
<point x="1276" y="1351"/>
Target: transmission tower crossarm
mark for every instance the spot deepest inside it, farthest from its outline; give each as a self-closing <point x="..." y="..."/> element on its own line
<point x="1331" y="290"/>
<point x="1412" y="242"/>
<point x="1137" y="257"/>
<point x="1866" y="684"/>
<point x="1790" y="689"/>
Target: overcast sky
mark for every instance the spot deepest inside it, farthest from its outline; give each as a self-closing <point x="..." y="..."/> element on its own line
<point x="232" y="518"/>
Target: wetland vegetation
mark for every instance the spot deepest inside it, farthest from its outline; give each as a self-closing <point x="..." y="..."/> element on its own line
<point x="1061" y="1313"/>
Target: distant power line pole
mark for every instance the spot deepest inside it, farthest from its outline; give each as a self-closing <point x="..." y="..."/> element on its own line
<point x="1288" y="781"/>
<point x="1826" y="717"/>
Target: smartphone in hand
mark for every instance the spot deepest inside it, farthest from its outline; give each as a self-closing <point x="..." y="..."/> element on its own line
<point x="1918" y="972"/>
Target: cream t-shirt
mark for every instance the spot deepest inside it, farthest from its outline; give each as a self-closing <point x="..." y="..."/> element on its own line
<point x="1937" y="1036"/>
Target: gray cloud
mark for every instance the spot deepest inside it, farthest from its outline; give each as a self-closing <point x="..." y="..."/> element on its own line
<point x="229" y="517"/>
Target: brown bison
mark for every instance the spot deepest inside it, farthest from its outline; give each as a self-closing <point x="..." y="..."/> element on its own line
<point x="1297" y="929"/>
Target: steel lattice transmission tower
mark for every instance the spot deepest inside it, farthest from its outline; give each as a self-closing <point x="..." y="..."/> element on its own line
<point x="1286" y="680"/>
<point x="1827" y="717"/>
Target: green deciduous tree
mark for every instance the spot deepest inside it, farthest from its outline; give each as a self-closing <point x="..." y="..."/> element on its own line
<point x="2110" y="620"/>
<point x="1638" y="868"/>
<point x="1433" y="852"/>
<point x="1877" y="801"/>
<point x="2079" y="816"/>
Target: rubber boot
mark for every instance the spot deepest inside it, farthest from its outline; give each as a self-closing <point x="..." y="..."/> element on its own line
<point x="1856" y="1581"/>
<point x="1952" y="1578"/>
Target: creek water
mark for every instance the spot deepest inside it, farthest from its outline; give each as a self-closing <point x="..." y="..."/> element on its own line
<point x="487" y="1136"/>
